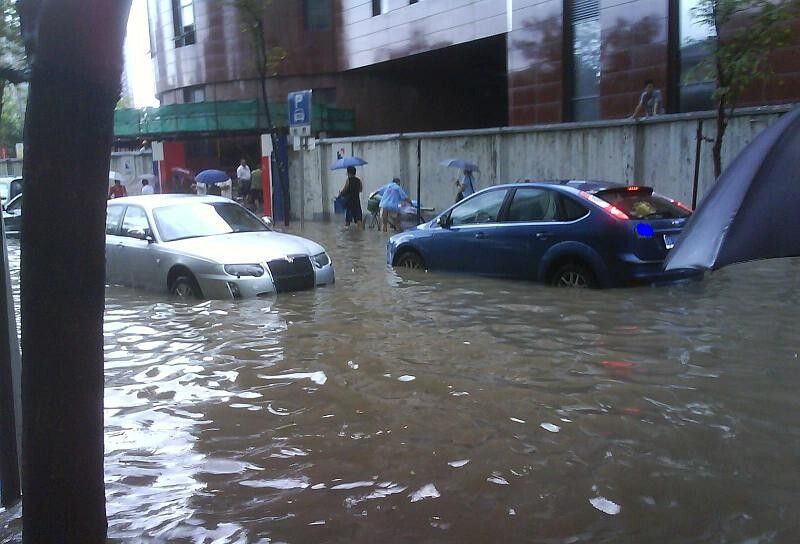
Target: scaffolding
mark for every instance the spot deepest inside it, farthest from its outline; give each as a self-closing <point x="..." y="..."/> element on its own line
<point x="221" y="117"/>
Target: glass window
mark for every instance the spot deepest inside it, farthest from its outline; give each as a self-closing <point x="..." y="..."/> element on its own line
<point x="183" y="22"/>
<point x="585" y="22"/>
<point x="379" y="6"/>
<point x="194" y="94"/>
<point x="196" y="220"/>
<point x="113" y="215"/>
<point x="484" y="208"/>
<point x="317" y="14"/>
<point x="533" y="205"/>
<point x="641" y="205"/>
<point x="572" y="210"/>
<point x="135" y="223"/>
<point x="15" y="204"/>
<point x="695" y="86"/>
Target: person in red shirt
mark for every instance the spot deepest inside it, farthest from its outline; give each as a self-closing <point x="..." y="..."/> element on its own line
<point x="117" y="191"/>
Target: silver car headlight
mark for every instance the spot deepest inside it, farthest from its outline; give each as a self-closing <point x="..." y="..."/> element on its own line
<point x="240" y="270"/>
<point x="321" y="259"/>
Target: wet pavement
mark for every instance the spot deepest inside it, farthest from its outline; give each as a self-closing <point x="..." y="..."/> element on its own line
<point x="437" y="408"/>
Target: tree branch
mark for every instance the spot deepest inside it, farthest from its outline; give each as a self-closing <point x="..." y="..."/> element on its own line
<point x="14" y="75"/>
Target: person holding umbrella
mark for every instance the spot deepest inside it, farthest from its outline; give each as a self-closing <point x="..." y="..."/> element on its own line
<point x="351" y="194"/>
<point x="214" y="182"/>
<point x="466" y="185"/>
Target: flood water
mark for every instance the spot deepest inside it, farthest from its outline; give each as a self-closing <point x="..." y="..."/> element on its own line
<point x="424" y="407"/>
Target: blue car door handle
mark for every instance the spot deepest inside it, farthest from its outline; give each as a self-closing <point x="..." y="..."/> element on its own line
<point x="480" y="235"/>
<point x="542" y="235"/>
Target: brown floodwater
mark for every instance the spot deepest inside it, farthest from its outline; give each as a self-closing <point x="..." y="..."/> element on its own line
<point x="422" y="407"/>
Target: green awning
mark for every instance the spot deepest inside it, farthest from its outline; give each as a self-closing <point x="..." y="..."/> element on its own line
<point x="223" y="116"/>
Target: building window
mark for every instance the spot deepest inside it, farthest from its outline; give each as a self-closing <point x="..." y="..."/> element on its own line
<point x="694" y="87"/>
<point x="326" y="96"/>
<point x="317" y="14"/>
<point x="194" y="94"/>
<point x="152" y="8"/>
<point x="379" y="7"/>
<point x="584" y="49"/>
<point x="183" y="22"/>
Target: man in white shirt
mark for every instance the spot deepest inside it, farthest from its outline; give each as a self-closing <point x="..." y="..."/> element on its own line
<point x="243" y="175"/>
<point x="147" y="189"/>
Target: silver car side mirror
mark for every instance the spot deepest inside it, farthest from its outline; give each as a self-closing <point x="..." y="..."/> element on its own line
<point x="267" y="221"/>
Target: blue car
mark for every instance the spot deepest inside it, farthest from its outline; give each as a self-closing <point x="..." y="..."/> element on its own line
<point x="565" y="233"/>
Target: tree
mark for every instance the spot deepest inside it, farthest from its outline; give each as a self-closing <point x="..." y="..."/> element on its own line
<point x="12" y="117"/>
<point x="12" y="61"/>
<point x="75" y="51"/>
<point x="743" y="33"/>
<point x="267" y="62"/>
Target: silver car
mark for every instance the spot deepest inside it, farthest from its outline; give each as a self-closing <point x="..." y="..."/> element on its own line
<point x="206" y="247"/>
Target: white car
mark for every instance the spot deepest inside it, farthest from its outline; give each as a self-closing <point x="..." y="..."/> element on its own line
<point x="10" y="187"/>
<point x="206" y="247"/>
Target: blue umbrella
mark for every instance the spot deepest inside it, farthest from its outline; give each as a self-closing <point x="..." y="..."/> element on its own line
<point x="346" y="162"/>
<point x="211" y="177"/>
<point x="460" y="164"/>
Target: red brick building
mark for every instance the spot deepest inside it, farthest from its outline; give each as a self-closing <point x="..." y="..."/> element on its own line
<point x="408" y="65"/>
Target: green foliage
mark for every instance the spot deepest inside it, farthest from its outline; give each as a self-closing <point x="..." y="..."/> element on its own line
<point x="12" y="118"/>
<point x="252" y="13"/>
<point x="744" y="32"/>
<point x="12" y="51"/>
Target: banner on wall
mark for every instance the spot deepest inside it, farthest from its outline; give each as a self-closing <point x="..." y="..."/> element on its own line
<point x="341" y="150"/>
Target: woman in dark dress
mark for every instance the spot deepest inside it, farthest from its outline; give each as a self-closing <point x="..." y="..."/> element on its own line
<point x="351" y="194"/>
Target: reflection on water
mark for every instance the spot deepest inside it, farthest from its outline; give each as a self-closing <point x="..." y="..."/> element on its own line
<point x="426" y="407"/>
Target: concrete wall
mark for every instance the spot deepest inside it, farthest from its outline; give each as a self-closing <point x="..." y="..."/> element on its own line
<point x="131" y="165"/>
<point x="658" y="152"/>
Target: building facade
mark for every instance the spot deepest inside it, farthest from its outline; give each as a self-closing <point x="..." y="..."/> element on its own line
<point x="413" y="65"/>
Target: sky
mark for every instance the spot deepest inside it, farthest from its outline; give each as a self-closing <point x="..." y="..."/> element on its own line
<point x="138" y="64"/>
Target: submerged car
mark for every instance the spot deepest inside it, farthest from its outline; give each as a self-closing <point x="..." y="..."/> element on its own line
<point x="567" y="233"/>
<point x="206" y="247"/>
<point x="12" y="215"/>
<point x="9" y="188"/>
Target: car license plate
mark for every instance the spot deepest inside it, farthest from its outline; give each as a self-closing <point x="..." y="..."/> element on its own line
<point x="669" y="241"/>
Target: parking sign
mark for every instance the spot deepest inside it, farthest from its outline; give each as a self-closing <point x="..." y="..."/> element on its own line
<point x="300" y="113"/>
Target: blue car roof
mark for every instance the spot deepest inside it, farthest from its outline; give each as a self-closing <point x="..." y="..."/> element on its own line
<point x="590" y="186"/>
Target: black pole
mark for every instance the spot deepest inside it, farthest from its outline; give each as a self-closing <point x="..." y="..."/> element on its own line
<point x="419" y="181"/>
<point x="697" y="149"/>
<point x="9" y="459"/>
<point x="262" y="69"/>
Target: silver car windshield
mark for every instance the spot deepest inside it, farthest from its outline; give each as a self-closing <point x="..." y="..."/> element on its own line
<point x="204" y="219"/>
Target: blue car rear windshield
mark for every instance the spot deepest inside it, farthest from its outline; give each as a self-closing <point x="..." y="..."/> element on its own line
<point x="641" y="205"/>
<point x="204" y="219"/>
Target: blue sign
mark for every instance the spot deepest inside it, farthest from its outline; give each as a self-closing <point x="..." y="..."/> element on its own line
<point x="300" y="108"/>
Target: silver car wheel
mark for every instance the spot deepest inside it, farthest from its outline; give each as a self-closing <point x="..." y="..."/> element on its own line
<point x="573" y="275"/>
<point x="183" y="288"/>
<point x="411" y="260"/>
